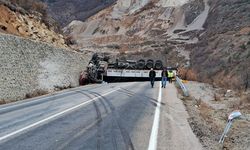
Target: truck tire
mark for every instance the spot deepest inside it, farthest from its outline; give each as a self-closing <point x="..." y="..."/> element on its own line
<point x="158" y="64"/>
<point x="150" y="64"/>
<point x="141" y="64"/>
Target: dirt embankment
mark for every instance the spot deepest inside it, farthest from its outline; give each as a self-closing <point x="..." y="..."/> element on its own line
<point x="209" y="108"/>
<point x="30" y="68"/>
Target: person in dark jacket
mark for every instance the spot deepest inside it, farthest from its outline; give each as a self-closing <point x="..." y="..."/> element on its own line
<point x="152" y="75"/>
<point x="164" y="77"/>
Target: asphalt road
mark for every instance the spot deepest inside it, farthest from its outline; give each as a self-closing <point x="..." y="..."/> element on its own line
<point x="118" y="116"/>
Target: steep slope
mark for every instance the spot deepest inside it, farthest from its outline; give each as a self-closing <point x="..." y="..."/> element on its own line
<point x="31" y="62"/>
<point x="213" y="33"/>
<point x="138" y="26"/>
<point x="65" y="11"/>
<point x="223" y="54"/>
<point x="27" y="22"/>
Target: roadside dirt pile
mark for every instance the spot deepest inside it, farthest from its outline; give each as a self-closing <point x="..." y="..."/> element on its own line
<point x="29" y="21"/>
<point x="209" y="107"/>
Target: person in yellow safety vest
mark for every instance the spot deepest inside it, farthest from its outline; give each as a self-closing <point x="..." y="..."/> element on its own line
<point x="170" y="76"/>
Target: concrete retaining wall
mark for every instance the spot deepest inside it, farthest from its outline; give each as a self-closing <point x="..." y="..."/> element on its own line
<point x="27" y="67"/>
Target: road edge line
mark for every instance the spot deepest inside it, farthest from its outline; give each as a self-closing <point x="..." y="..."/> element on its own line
<point x="154" y="132"/>
<point x="53" y="116"/>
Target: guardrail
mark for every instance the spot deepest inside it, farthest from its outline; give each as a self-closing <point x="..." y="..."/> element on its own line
<point x="233" y="116"/>
<point x="183" y="87"/>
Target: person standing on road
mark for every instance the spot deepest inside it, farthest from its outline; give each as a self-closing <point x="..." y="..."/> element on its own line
<point x="152" y="75"/>
<point x="164" y="76"/>
<point x="170" y="76"/>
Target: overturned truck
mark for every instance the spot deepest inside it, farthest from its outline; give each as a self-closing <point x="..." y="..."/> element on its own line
<point x="101" y="68"/>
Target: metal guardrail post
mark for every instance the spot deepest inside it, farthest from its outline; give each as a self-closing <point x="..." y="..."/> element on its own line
<point x="233" y="116"/>
<point x="183" y="87"/>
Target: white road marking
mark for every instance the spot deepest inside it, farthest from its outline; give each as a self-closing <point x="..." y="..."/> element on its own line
<point x="154" y="133"/>
<point x="52" y="117"/>
<point x="36" y="99"/>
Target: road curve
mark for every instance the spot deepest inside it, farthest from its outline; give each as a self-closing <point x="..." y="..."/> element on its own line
<point x="108" y="116"/>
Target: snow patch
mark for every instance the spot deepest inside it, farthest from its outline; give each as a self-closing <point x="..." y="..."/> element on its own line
<point x="124" y="7"/>
<point x="172" y="3"/>
<point x="138" y="5"/>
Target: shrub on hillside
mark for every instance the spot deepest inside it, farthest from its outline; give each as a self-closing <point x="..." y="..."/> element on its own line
<point x="187" y="74"/>
<point x="31" y="5"/>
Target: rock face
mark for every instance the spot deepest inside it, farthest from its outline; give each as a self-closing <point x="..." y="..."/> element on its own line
<point x="30" y="68"/>
<point x="28" y="25"/>
<point x="65" y="11"/>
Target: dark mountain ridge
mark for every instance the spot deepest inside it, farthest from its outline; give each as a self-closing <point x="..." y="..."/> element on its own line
<point x="65" y="11"/>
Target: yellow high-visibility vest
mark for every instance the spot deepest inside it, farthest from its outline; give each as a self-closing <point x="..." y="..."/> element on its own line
<point x="171" y="74"/>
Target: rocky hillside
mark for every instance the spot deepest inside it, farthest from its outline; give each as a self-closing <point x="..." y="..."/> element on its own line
<point x="30" y="68"/>
<point x="28" y="20"/>
<point x="65" y="11"/>
<point x="210" y="39"/>
<point x="149" y="28"/>
<point x="223" y="54"/>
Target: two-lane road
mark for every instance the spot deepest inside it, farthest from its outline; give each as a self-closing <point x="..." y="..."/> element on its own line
<point x="108" y="116"/>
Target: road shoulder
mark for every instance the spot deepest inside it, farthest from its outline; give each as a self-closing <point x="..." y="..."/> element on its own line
<point x="175" y="132"/>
